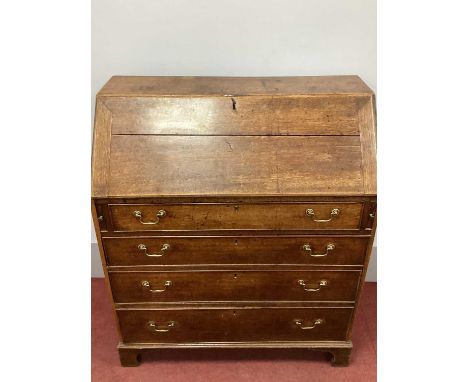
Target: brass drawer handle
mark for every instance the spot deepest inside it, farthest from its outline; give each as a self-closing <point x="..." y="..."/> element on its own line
<point x="159" y="214"/>
<point x="317" y="321"/>
<point x="330" y="247"/>
<point x="154" y="327"/>
<point x="321" y="283"/>
<point x="146" y="284"/>
<point x="164" y="248"/>
<point x="333" y="214"/>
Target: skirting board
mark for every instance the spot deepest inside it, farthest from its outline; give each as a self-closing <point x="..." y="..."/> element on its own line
<point x="96" y="268"/>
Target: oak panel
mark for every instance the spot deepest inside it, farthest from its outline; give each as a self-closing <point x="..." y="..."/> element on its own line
<point x="235" y="115"/>
<point x="368" y="144"/>
<point x="213" y="165"/>
<point x="101" y="150"/>
<point x="209" y="86"/>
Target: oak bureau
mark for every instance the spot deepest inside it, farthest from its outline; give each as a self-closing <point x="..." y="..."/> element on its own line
<point x="234" y="212"/>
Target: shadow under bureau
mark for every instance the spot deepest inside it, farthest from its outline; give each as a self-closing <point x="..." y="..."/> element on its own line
<point x="234" y="212"/>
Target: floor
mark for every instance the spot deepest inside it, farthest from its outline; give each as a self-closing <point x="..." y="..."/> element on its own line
<point x="203" y="365"/>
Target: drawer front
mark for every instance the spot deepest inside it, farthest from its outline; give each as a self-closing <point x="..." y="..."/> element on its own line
<point x="271" y="216"/>
<point x="129" y="287"/>
<point x="173" y="250"/>
<point x="234" y="325"/>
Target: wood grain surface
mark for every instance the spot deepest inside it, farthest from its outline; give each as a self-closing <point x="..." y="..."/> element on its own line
<point x="208" y="216"/>
<point x="211" y="165"/>
<point x="210" y="285"/>
<point x="209" y="86"/>
<point x="101" y="150"/>
<point x="229" y="325"/>
<point x="236" y="115"/>
<point x="235" y="250"/>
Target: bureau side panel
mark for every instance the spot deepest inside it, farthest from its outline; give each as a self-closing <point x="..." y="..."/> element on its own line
<point x="101" y="150"/>
<point x="373" y="219"/>
<point x="103" y="262"/>
<point x="367" y="128"/>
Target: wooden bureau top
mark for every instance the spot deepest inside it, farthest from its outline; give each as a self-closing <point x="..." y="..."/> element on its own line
<point x="212" y="86"/>
<point x="231" y="136"/>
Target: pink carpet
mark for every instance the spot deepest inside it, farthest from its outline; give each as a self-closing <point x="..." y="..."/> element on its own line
<point x="207" y="365"/>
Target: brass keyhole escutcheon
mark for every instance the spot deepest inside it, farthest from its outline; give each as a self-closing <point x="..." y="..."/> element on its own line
<point x="234" y="104"/>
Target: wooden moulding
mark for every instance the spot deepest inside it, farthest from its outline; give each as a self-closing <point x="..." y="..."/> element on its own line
<point x="184" y="199"/>
<point x="131" y="354"/>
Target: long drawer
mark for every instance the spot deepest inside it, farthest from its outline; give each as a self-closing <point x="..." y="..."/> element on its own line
<point x="233" y="325"/>
<point x="174" y="250"/>
<point x="128" y="287"/>
<point x="230" y="216"/>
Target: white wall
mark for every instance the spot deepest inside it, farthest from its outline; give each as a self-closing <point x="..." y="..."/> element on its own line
<point x="232" y="38"/>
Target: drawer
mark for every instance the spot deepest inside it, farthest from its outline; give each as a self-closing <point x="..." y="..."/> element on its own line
<point x="234" y="325"/>
<point x="129" y="287"/>
<point x="174" y="250"/>
<point x="229" y="216"/>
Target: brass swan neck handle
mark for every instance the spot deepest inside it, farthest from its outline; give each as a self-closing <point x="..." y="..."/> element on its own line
<point x="159" y="214"/>
<point x="333" y="214"/>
